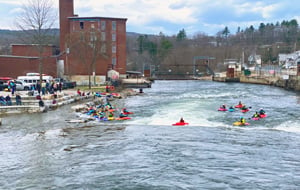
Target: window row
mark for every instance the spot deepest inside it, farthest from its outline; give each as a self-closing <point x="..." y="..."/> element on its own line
<point x="102" y="25"/>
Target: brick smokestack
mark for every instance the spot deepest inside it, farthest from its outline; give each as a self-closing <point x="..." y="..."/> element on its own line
<point x="66" y="9"/>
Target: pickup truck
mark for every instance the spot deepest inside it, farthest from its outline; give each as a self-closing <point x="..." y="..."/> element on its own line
<point x="20" y="85"/>
<point x="65" y="83"/>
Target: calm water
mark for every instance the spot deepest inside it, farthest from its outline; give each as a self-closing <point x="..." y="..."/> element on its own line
<point x="43" y="151"/>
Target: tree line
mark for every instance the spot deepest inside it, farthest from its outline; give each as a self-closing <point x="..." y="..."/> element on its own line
<point x="176" y="54"/>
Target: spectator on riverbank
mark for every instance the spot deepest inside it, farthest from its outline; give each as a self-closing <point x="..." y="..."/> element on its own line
<point x="18" y="99"/>
<point x="2" y="101"/>
<point x="59" y="86"/>
<point x="8" y="100"/>
<point x="78" y="92"/>
<point x="12" y="85"/>
<point x="43" y="86"/>
<point x="38" y="87"/>
<point x="41" y="103"/>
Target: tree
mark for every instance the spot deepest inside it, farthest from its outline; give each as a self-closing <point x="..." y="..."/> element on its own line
<point x="36" y="21"/>
<point x="89" y="47"/>
<point x="181" y="35"/>
<point x="225" y="32"/>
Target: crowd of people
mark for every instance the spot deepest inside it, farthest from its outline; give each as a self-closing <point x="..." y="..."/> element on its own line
<point x="43" y="88"/>
<point x="6" y="101"/>
<point x="47" y="87"/>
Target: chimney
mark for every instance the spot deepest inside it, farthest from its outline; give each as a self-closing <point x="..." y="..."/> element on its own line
<point x="66" y="9"/>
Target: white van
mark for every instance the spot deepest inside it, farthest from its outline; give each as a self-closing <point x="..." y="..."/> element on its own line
<point x="32" y="80"/>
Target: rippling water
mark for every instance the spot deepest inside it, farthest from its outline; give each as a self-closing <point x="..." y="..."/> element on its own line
<point x="43" y="151"/>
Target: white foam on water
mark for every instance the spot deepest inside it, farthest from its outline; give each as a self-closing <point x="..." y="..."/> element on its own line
<point x="289" y="126"/>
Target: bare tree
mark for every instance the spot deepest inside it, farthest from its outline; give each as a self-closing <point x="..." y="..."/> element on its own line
<point x="36" y="21"/>
<point x="90" y="47"/>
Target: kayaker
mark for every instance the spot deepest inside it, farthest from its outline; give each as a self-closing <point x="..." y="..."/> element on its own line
<point x="111" y="114"/>
<point x="101" y="115"/>
<point x="223" y="106"/>
<point x="261" y="111"/>
<point x="244" y="107"/>
<point x="124" y="110"/>
<point x="122" y="115"/>
<point x="255" y="115"/>
<point x="242" y="120"/>
<point x="181" y="120"/>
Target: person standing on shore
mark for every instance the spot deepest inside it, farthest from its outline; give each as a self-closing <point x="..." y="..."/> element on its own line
<point x="18" y="99"/>
<point x="43" y="86"/>
<point x="13" y="87"/>
<point x="38" y="87"/>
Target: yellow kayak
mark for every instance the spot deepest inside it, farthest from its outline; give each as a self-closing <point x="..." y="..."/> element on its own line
<point x="238" y="123"/>
<point x="110" y="118"/>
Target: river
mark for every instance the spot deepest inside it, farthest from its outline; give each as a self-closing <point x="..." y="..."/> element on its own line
<point x="43" y="151"/>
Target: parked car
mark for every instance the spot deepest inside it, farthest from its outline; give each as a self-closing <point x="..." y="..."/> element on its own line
<point x="65" y="83"/>
<point x="3" y="85"/>
<point x="21" y="85"/>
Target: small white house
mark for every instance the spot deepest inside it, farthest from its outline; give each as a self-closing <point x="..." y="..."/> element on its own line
<point x="254" y="60"/>
<point x="233" y="63"/>
<point x="289" y="61"/>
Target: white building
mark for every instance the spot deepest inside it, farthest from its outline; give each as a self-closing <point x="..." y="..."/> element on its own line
<point x="289" y="61"/>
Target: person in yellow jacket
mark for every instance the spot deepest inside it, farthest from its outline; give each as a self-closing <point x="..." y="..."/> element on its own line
<point x="243" y="121"/>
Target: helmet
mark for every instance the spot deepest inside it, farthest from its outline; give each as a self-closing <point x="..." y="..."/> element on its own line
<point x="241" y="117"/>
<point x="260" y="108"/>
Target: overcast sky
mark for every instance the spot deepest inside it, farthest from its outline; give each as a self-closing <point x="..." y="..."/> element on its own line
<point x="171" y="16"/>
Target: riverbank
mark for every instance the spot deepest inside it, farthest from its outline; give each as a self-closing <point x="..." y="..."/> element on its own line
<point x="30" y="104"/>
<point x="290" y="82"/>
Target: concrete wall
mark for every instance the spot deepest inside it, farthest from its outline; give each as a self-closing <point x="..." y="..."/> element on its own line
<point x="84" y="79"/>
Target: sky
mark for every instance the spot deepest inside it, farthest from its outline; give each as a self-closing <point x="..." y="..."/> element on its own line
<point x="171" y="16"/>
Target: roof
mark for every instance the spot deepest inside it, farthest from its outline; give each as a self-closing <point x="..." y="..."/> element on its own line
<point x="14" y="56"/>
<point x="133" y="72"/>
<point x="95" y="18"/>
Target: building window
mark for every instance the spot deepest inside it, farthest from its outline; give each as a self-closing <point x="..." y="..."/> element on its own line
<point x="114" y="62"/>
<point x="114" y="49"/>
<point x="93" y="37"/>
<point x="92" y="26"/>
<point x="81" y="25"/>
<point x="103" y="48"/>
<point x="113" y="37"/>
<point x="103" y="25"/>
<point x="103" y="36"/>
<point x="114" y="25"/>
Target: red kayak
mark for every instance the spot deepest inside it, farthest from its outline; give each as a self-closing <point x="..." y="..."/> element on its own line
<point x="126" y="113"/>
<point x="239" y="106"/>
<point x="222" y="109"/>
<point x="263" y="115"/>
<point x="244" y="111"/>
<point x="122" y="118"/>
<point x="180" y="123"/>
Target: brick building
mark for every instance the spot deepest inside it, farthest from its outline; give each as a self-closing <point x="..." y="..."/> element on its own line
<point x="104" y="42"/>
<point x="83" y="39"/>
<point x="24" y="59"/>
